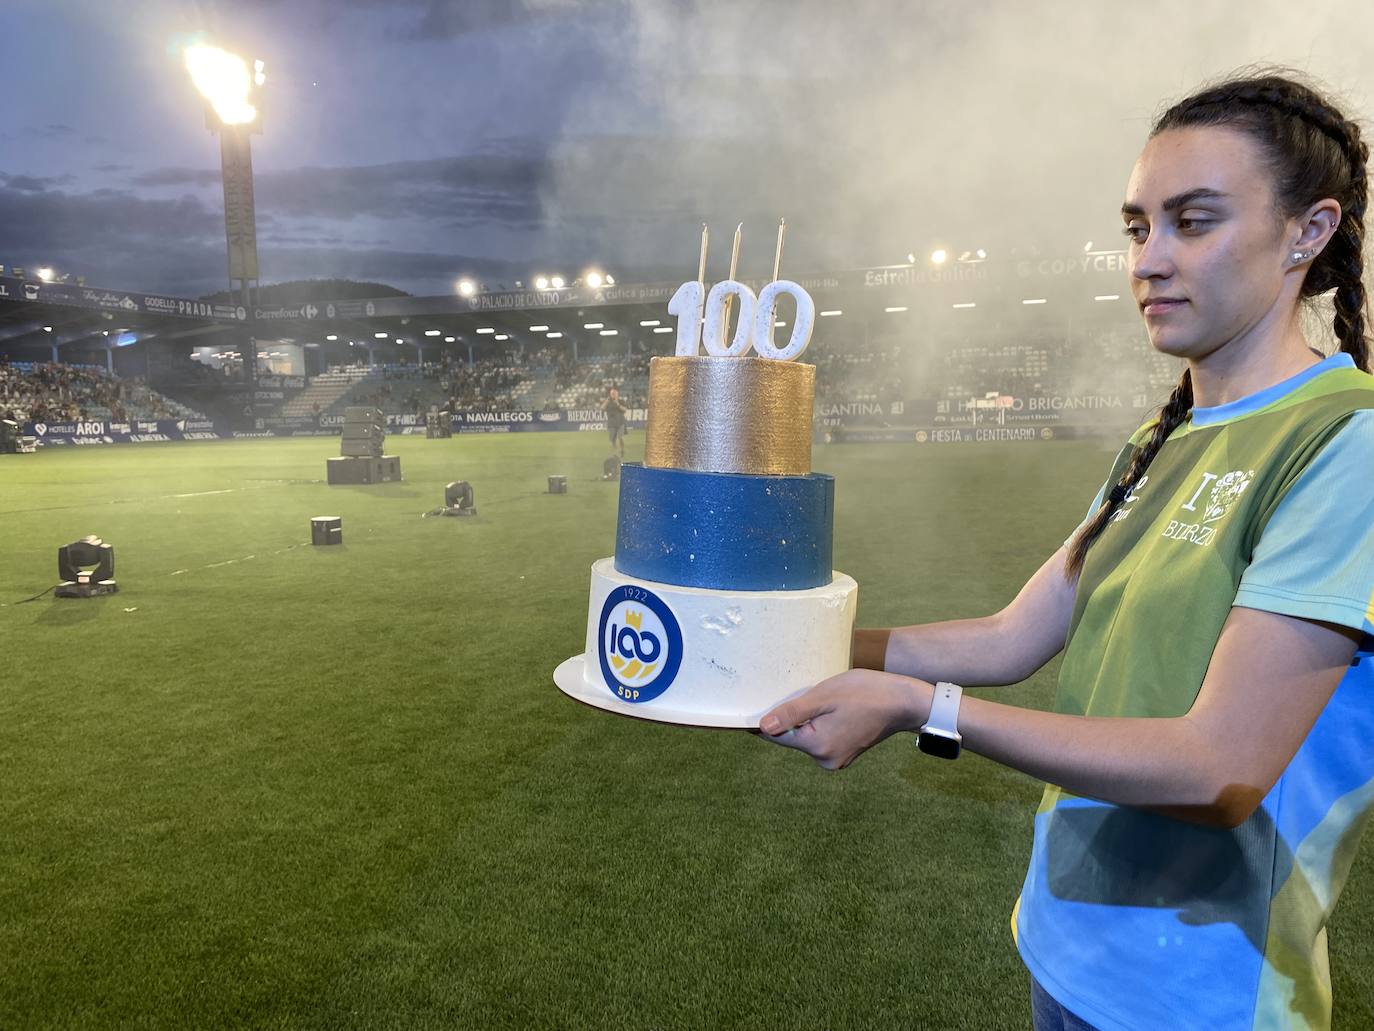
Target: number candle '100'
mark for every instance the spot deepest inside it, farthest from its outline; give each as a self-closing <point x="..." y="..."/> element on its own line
<point x="756" y="318"/>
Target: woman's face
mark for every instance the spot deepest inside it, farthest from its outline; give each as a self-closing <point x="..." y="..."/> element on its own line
<point x="1208" y="253"/>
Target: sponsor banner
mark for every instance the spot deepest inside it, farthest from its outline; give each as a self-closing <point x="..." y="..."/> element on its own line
<point x="128" y="301"/>
<point x="282" y="382"/>
<point x="137" y="432"/>
<point x="958" y="435"/>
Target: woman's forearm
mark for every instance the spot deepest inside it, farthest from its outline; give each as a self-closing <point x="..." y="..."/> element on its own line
<point x="971" y="652"/>
<point x="1163" y="765"/>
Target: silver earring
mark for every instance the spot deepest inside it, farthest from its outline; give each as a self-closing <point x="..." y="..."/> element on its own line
<point x="1301" y="256"/>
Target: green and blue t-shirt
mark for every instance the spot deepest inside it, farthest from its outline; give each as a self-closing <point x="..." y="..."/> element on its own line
<point x="1136" y="921"/>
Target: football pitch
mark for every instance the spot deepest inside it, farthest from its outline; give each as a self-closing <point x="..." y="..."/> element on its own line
<point x="276" y="785"/>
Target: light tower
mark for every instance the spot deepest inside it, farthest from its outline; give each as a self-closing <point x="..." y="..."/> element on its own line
<point x="231" y="93"/>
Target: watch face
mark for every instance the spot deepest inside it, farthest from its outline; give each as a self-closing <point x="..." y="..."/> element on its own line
<point x="938" y="745"/>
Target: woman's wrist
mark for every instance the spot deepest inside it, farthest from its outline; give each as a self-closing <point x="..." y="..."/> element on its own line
<point x="870" y="648"/>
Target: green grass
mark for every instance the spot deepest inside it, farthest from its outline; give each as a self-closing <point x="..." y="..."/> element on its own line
<point x="329" y="787"/>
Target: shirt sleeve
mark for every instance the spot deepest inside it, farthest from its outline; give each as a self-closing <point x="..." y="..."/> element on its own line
<point x="1315" y="559"/>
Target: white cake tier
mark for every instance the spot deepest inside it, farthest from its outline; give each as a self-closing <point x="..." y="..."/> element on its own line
<point x="706" y="658"/>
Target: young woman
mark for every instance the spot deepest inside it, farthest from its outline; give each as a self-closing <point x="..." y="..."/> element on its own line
<point x="1210" y="758"/>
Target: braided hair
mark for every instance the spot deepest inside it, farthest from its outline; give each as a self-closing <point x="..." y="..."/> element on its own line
<point x="1312" y="152"/>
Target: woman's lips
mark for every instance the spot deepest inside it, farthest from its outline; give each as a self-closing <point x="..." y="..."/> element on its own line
<point x="1161" y="307"/>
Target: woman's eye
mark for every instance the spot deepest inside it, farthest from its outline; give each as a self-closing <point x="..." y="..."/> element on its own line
<point x="1136" y="233"/>
<point x="1193" y="225"/>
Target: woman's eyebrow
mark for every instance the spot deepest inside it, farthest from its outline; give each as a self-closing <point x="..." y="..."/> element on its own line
<point x="1178" y="200"/>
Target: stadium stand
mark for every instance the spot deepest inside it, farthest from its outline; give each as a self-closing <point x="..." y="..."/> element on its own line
<point x="51" y="392"/>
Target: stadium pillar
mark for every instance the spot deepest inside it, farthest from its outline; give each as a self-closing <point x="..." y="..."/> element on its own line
<point x="109" y="358"/>
<point x="54" y="354"/>
<point x="419" y="354"/>
<point x="471" y="361"/>
<point x="371" y="356"/>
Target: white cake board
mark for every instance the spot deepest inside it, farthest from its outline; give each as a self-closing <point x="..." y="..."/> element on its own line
<point x="570" y="676"/>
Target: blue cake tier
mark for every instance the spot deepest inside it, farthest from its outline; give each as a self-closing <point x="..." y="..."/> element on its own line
<point x="725" y="531"/>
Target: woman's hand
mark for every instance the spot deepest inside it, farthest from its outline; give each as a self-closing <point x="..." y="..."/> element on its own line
<point x="841" y="718"/>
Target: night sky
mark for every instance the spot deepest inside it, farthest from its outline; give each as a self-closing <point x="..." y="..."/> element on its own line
<point x="414" y="142"/>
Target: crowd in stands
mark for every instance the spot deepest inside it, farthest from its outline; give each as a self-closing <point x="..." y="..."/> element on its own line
<point x="55" y="392"/>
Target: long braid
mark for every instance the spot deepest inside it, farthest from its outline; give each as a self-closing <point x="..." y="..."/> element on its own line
<point x="1175" y="411"/>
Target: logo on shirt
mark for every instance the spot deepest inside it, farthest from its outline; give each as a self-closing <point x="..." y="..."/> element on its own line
<point x="1226" y="490"/>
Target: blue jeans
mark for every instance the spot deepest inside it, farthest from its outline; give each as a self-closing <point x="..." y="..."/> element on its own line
<point x="1048" y="1015"/>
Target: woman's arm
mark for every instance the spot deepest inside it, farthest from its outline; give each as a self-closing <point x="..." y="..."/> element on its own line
<point x="1269" y="677"/>
<point x="1004" y="648"/>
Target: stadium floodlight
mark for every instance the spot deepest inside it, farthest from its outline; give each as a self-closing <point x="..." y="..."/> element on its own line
<point x="966" y="304"/>
<point x="982" y="254"/>
<point x="486" y="329"/>
<point x="1034" y="300"/>
<point x="593" y="279"/>
<point x="448" y="340"/>
<point x="610" y="332"/>
<point x="780" y="325"/>
<point x="910" y="258"/>
<point x="380" y="336"/>
<point x="433" y="332"/>
<point x="502" y="336"/>
<point x="541" y="282"/>
<point x="593" y="325"/>
<point x="45" y="273"/>
<point x="938" y="256"/>
<point x="832" y="312"/>
<point x="223" y="80"/>
<point x="539" y="329"/>
<point x="610" y="279"/>
<point x="1107" y="297"/>
<point x="556" y="282"/>
<point x="649" y="322"/>
<point x="555" y="336"/>
<point x="332" y="336"/>
<point x="47" y="329"/>
<point x="664" y="329"/>
<point x="894" y="308"/>
<point x="466" y="287"/>
<point x="1087" y="247"/>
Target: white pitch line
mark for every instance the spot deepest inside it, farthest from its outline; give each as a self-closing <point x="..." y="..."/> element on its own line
<point x="203" y="493"/>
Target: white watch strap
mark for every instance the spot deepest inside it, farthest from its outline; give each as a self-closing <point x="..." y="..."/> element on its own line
<point x="944" y="709"/>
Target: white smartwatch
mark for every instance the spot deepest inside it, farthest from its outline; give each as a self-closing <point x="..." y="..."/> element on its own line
<point x="940" y="734"/>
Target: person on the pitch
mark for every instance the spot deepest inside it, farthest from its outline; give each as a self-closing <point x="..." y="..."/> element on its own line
<point x="1208" y="762"/>
<point x="615" y="421"/>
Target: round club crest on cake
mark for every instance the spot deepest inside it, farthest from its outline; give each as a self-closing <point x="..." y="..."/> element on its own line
<point x="720" y="600"/>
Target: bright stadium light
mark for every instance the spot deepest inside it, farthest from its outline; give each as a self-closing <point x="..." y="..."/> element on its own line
<point x="1034" y="300"/>
<point x="223" y="80"/>
<point x="592" y="279"/>
<point x="332" y="336"/>
<point x="502" y="336"/>
<point x="556" y="282"/>
<point x="664" y="329"/>
<point x="966" y="304"/>
<point x="832" y="312"/>
<point x="649" y="322"/>
<point x="380" y="336"/>
<point x="448" y="340"/>
<point x="433" y="332"/>
<point x="555" y="336"/>
<point x="610" y="332"/>
<point x="910" y="258"/>
<point x="1087" y="247"/>
<point x="610" y="279"/>
<point x="938" y="257"/>
<point x="539" y="329"/>
<point x="46" y="274"/>
<point x="593" y="325"/>
<point x="894" y="308"/>
<point x="486" y="329"/>
<point x="1107" y="297"/>
<point x="466" y="287"/>
<point x="47" y="329"/>
<point x="541" y="282"/>
<point x="981" y="253"/>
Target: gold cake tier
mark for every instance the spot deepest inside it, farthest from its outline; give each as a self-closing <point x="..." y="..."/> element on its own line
<point x="730" y="415"/>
